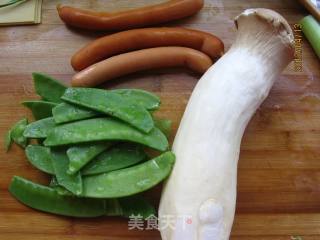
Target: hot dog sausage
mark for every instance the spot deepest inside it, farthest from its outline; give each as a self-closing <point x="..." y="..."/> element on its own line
<point x="130" y="40"/>
<point x="145" y="59"/>
<point x="145" y="16"/>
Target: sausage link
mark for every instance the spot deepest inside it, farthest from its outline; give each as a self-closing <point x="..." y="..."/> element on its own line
<point x="152" y="58"/>
<point x="139" y="17"/>
<point x="136" y="39"/>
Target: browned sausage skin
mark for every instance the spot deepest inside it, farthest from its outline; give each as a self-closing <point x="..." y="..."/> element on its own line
<point x="136" y="39"/>
<point x="152" y="58"/>
<point x="140" y="17"/>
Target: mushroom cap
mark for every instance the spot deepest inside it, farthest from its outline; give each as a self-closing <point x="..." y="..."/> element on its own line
<point x="276" y="21"/>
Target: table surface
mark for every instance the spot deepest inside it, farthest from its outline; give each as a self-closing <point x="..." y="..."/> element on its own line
<point x="279" y="168"/>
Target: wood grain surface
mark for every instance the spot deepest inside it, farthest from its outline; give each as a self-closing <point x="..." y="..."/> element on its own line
<point x="279" y="168"/>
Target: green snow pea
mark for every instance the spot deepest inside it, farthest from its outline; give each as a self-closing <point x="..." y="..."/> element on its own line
<point x="112" y="104"/>
<point x="53" y="182"/>
<point x="66" y="112"/>
<point x="164" y="125"/>
<point x="80" y="155"/>
<point x="143" y="98"/>
<point x="40" y="109"/>
<point x="40" y="158"/>
<point x="60" y="163"/>
<point x="129" y="181"/>
<point x="48" y="88"/>
<point x="48" y="200"/>
<point x="118" y="157"/>
<point x="7" y="140"/>
<point x="129" y="206"/>
<point x="101" y="129"/>
<point x="17" y="132"/>
<point x="136" y="205"/>
<point x="60" y="190"/>
<point x="40" y="128"/>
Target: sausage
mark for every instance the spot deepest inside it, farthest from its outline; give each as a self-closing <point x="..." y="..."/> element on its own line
<point x="139" y="17"/>
<point x="151" y="58"/>
<point x="130" y="40"/>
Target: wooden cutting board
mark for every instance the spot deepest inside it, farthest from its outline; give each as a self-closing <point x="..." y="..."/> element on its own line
<point x="279" y="169"/>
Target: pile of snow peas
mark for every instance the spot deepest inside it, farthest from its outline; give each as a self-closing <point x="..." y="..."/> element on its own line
<point x="92" y="143"/>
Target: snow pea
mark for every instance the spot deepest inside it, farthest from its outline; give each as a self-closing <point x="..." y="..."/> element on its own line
<point x="17" y="132"/>
<point x="112" y="104"/>
<point x="53" y="182"/>
<point x="80" y="155"/>
<point x="48" y="88"/>
<point x="40" y="109"/>
<point x="60" y="163"/>
<point x="129" y="206"/>
<point x="143" y="98"/>
<point x="136" y="205"/>
<point x="100" y="129"/>
<point x="66" y="112"/>
<point x="60" y="190"/>
<point x="7" y="140"/>
<point x="40" y="158"/>
<point x="40" y="128"/>
<point x="118" y="157"/>
<point x="164" y="125"/>
<point x="48" y="200"/>
<point x="129" y="181"/>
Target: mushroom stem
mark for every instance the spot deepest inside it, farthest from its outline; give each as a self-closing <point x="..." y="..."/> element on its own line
<point x="200" y="194"/>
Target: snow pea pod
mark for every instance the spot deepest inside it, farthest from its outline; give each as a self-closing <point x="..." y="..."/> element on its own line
<point x="129" y="206"/>
<point x="112" y="104"/>
<point x="48" y="88"/>
<point x="80" y="155"/>
<point x="17" y="132"/>
<point x="129" y="181"/>
<point x="53" y="182"/>
<point x="40" y="128"/>
<point x="7" y="140"/>
<point x="60" y="163"/>
<point x="100" y="129"/>
<point x="48" y="200"/>
<point x="60" y="190"/>
<point x="40" y="109"/>
<point x="40" y="158"/>
<point x="66" y="112"/>
<point x="143" y="98"/>
<point x="164" y="125"/>
<point x="115" y="158"/>
<point x="136" y="205"/>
